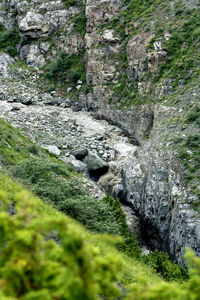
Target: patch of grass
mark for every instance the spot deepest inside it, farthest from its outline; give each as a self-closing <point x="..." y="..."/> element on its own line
<point x="13" y="145"/>
<point x="182" y="51"/>
<point x="9" y="38"/>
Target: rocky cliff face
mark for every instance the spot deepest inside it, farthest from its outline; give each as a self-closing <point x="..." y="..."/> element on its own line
<point x="141" y="71"/>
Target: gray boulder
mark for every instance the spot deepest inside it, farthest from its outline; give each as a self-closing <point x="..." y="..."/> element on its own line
<point x="78" y="165"/>
<point x="96" y="166"/>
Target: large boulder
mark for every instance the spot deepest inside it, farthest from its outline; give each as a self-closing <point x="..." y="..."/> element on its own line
<point x="78" y="165"/>
<point x="96" y="166"/>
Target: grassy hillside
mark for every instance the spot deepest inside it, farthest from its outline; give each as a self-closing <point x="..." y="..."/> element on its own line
<point x="34" y="266"/>
<point x="57" y="184"/>
<point x="47" y="255"/>
<point x="53" y="180"/>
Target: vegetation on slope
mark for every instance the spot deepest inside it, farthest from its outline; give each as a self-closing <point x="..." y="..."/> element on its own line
<point x="176" y="27"/>
<point x="57" y="184"/>
<point x="41" y="247"/>
<point x="67" y="68"/>
<point x="34" y="266"/>
<point x="54" y="181"/>
<point x="8" y="40"/>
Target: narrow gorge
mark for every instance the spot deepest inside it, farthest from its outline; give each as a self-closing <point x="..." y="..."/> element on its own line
<point x="121" y="80"/>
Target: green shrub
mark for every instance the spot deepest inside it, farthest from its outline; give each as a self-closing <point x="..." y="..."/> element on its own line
<point x="9" y="38"/>
<point x="33" y="149"/>
<point x="171" y="291"/>
<point x="193" y="141"/>
<point x="69" y="3"/>
<point x="130" y="244"/>
<point x="52" y="182"/>
<point x="161" y="263"/>
<point x="183" y="154"/>
<point x="79" y="21"/>
<point x="33" y="266"/>
<point x="194" y="115"/>
<point x="67" y="68"/>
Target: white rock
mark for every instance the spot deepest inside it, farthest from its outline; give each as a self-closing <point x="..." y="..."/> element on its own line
<point x="5" y="61"/>
<point x="52" y="149"/>
<point x="108" y="35"/>
<point x="31" y="21"/>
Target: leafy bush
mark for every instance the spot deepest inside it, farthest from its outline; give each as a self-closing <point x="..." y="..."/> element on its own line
<point x="183" y="154"/>
<point x="66" y="68"/>
<point x="194" y="115"/>
<point x="130" y="244"/>
<point x="193" y="141"/>
<point x="33" y="266"/>
<point x="34" y="149"/>
<point x="8" y="40"/>
<point x="79" y="21"/>
<point x="69" y="3"/>
<point x="161" y="263"/>
<point x="168" y="291"/>
<point x="52" y="182"/>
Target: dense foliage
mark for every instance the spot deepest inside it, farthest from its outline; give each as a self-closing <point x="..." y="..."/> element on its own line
<point x="46" y="255"/>
<point x="51" y="181"/>
<point x="66" y="68"/>
<point x="129" y="245"/>
<point x="171" y="291"/>
<point x="34" y="266"/>
<point x="8" y="40"/>
<point x="161" y="263"/>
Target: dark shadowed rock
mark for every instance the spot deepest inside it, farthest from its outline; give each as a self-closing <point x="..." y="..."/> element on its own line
<point x="80" y="153"/>
<point x="96" y="166"/>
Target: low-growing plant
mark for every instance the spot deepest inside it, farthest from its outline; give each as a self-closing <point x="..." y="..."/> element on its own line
<point x="79" y="21"/>
<point x="194" y="115"/>
<point x="52" y="182"/>
<point x="66" y="68"/>
<point x="69" y="3"/>
<point x="34" y="266"/>
<point x="9" y="38"/>
<point x="161" y="263"/>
